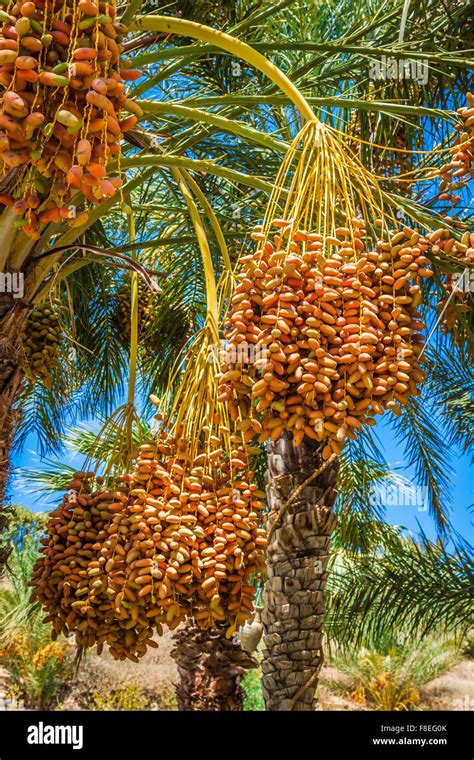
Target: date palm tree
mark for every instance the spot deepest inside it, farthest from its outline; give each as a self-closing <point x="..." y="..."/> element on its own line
<point x="378" y="580"/>
<point x="224" y="113"/>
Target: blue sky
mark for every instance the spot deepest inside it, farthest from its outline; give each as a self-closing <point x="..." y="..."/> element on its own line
<point x="412" y="517"/>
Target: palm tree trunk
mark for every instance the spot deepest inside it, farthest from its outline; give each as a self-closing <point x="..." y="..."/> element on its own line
<point x="8" y="417"/>
<point x="300" y="523"/>
<point x="11" y="379"/>
<point x="210" y="669"/>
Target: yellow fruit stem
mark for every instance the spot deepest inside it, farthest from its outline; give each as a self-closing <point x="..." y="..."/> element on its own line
<point x="231" y="45"/>
<point x="210" y="280"/>
<point x="211" y="216"/>
<point x="195" y="401"/>
<point x="129" y="409"/>
<point x="133" y="318"/>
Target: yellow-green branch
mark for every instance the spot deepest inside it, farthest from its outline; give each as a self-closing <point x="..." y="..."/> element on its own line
<point x="133" y="320"/>
<point x="212" y="218"/>
<point x="231" y="45"/>
<point x="210" y="280"/>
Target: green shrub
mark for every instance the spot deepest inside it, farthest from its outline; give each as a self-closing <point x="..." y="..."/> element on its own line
<point x="252" y="685"/>
<point x="391" y="679"/>
<point x="468" y="646"/>
<point x="38" y="666"/>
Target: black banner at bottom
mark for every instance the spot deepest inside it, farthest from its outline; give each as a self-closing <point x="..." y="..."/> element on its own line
<point x="132" y="734"/>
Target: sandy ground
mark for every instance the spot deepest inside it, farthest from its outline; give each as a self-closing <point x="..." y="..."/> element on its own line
<point x="154" y="677"/>
<point x="331" y="685"/>
<point x="453" y="691"/>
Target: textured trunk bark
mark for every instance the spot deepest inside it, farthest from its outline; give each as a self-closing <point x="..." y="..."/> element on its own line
<point x="210" y="669"/>
<point x="11" y="378"/>
<point x="300" y="522"/>
<point x="7" y="418"/>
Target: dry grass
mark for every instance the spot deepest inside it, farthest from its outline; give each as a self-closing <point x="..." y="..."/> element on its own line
<point x="452" y="691"/>
<point x="154" y="676"/>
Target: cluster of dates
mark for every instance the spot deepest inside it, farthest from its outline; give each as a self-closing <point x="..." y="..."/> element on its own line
<point x="61" y="110"/>
<point x="178" y="537"/>
<point x="334" y="327"/>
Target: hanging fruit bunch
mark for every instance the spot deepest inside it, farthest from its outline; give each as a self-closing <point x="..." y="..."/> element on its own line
<point x="456" y="308"/>
<point x="61" y="112"/>
<point x="332" y="312"/>
<point x="172" y="541"/>
<point x="456" y="173"/>
<point x="77" y="580"/>
<point x="197" y="540"/>
<point x="41" y="335"/>
<point x="208" y="543"/>
<point x="208" y="525"/>
<point x="442" y="242"/>
<point x="146" y="304"/>
<point x="210" y="538"/>
<point x="339" y="331"/>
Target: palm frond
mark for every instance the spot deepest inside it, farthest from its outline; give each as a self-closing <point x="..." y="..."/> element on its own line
<point x="417" y="429"/>
<point x="450" y="380"/>
<point x="416" y="587"/>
